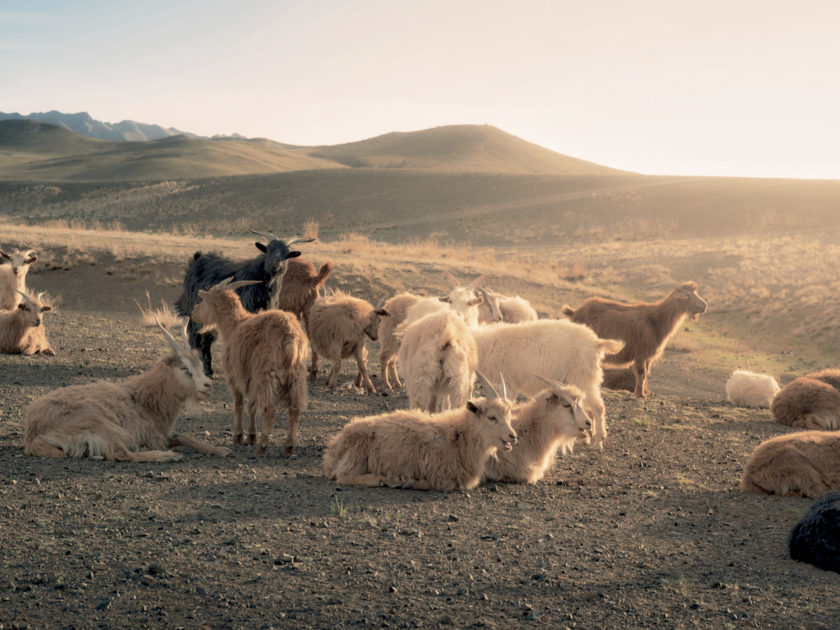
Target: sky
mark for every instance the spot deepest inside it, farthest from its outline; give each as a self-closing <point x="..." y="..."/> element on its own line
<point x="690" y="87"/>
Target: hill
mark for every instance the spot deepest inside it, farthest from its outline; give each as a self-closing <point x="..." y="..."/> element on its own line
<point x="82" y="124"/>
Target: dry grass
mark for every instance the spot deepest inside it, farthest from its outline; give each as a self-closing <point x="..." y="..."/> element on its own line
<point x="151" y="316"/>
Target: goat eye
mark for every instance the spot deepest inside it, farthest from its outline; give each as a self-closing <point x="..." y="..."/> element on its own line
<point x="567" y="405"/>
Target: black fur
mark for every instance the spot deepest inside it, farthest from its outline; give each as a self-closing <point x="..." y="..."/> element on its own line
<point x="815" y="539"/>
<point x="206" y="270"/>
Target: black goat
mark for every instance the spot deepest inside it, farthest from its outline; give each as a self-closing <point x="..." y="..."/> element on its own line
<point x="206" y="270"/>
<point x="816" y="538"/>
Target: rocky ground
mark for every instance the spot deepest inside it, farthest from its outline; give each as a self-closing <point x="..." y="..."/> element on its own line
<point x="650" y="532"/>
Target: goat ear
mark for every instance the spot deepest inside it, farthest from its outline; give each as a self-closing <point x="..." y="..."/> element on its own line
<point x="293" y="254"/>
<point x="382" y="312"/>
<point x="44" y="309"/>
<point x="261" y="247"/>
<point x="22" y="306"/>
<point x="31" y="260"/>
<point x="473" y="408"/>
<point x="445" y="299"/>
<point x="5" y="255"/>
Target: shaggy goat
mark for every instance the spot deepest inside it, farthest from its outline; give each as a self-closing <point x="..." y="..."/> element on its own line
<point x="13" y="277"/>
<point x="438" y="357"/>
<point x="810" y="402"/>
<point x="496" y="307"/>
<point x="389" y="341"/>
<point x="297" y="289"/>
<point x="206" y="270"/>
<point x="446" y="451"/>
<point x="22" y="329"/>
<point x="130" y="421"/>
<point x="337" y="328"/>
<point x="265" y="361"/>
<point x="815" y="539"/>
<point x="644" y="328"/>
<point x="463" y="299"/>
<point x="801" y="464"/>
<point x="558" y="349"/>
<point x="748" y="389"/>
<point x="552" y="421"/>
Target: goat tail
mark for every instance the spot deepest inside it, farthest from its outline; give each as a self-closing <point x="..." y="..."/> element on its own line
<point x="568" y="311"/>
<point x="610" y="346"/>
<point x="323" y="274"/>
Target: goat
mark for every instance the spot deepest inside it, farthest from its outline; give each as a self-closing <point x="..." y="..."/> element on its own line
<point x="800" y="464"/>
<point x="130" y="421"/>
<point x="558" y="349"/>
<point x="297" y="288"/>
<point x="337" y="328"/>
<point x="265" y="360"/>
<point x="496" y="307"/>
<point x="389" y="341"/>
<point x="13" y="276"/>
<point x="815" y="539"/>
<point x="438" y="357"/>
<point x="552" y="421"/>
<point x="810" y="402"/>
<point x="206" y="270"/>
<point x="22" y="329"/>
<point x="444" y="452"/>
<point x="748" y="389"/>
<point x="463" y="299"/>
<point x="619" y="378"/>
<point x="644" y="328"/>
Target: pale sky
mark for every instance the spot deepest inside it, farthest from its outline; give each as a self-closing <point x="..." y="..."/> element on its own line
<point x="705" y="87"/>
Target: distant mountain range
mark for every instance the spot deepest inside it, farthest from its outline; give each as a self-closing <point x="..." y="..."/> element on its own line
<point x="84" y="125"/>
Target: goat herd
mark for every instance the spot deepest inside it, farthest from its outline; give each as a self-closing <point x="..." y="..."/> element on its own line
<point x="272" y="320"/>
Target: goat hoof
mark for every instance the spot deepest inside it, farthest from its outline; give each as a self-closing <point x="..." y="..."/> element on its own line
<point x="237" y="439"/>
<point x="252" y="438"/>
<point x="289" y="451"/>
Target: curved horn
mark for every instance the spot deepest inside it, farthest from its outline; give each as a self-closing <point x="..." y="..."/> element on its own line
<point x="472" y="285"/>
<point x="297" y="239"/>
<point x="453" y="280"/>
<point x="491" y="392"/>
<point x="229" y="285"/>
<point x="25" y="297"/>
<point x="268" y="235"/>
<point x="549" y="382"/>
<point x="504" y="387"/>
<point x="172" y="341"/>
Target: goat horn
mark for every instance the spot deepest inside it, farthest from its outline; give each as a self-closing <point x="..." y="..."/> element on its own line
<point x="25" y="297"/>
<point x="172" y="341"/>
<point x="453" y="280"/>
<point x="297" y="239"/>
<point x="268" y="235"/>
<point x="472" y="285"/>
<point x="549" y="382"/>
<point x="491" y="392"/>
<point x="229" y="285"/>
<point x="504" y="387"/>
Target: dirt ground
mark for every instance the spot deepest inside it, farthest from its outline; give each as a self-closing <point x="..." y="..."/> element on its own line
<point x="650" y="532"/>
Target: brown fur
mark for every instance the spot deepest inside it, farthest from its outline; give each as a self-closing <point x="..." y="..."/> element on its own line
<point x="810" y="402"/>
<point x="619" y="378"/>
<point x="298" y="286"/>
<point x="389" y="341"/>
<point x="337" y="328"/>
<point x="801" y="464"/>
<point x="22" y="329"/>
<point x="645" y="328"/>
<point x="265" y="363"/>
<point x="128" y="421"/>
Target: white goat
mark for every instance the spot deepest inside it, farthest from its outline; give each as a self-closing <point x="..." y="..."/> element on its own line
<point x="558" y="349"/>
<point x="748" y="389"/>
<point x="129" y="421"/>
<point x="265" y="360"/>
<point x="389" y="341"/>
<point x="22" y="329"/>
<point x="552" y="421"/>
<point x="444" y="452"/>
<point x="496" y="307"/>
<point x="13" y="277"/>
<point x="438" y="357"/>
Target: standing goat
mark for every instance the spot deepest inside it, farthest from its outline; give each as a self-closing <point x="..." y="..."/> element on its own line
<point x="297" y="289"/>
<point x="337" y="328"/>
<point x="389" y="341"/>
<point x="558" y="349"/>
<point x="810" y="402"/>
<point x="130" y="421"/>
<point x="13" y="277"/>
<point x="443" y="452"/>
<point x="644" y="328"/>
<point x="206" y="270"/>
<point x="496" y="307"/>
<point x="552" y="421"/>
<point x="438" y="358"/>
<point x="265" y="360"/>
<point x="22" y="329"/>
<point x="463" y="299"/>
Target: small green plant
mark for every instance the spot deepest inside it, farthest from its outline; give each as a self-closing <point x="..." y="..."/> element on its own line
<point x="337" y="508"/>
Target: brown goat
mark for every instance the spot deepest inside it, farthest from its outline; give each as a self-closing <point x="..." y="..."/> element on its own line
<point x="810" y="402"/>
<point x="297" y="288"/>
<point x="265" y="360"/>
<point x="22" y="329"/>
<point x="645" y="328"/>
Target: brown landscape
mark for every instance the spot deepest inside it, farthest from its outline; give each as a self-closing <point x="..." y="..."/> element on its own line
<point x="650" y="532"/>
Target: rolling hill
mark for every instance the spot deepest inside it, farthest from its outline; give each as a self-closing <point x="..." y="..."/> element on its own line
<point x="83" y="124"/>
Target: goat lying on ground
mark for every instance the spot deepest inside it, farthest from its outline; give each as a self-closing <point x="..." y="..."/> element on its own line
<point x="815" y="539"/>
<point x="801" y="464"/>
<point x="444" y="452"/>
<point x="206" y="270"/>
<point x="389" y="341"/>
<point x="644" y="328"/>
<point x="13" y="277"/>
<point x="748" y="389"/>
<point x="810" y="402"/>
<point x="552" y="421"/>
<point x="22" y="329"/>
<point x="129" y="421"/>
<point x="265" y="361"/>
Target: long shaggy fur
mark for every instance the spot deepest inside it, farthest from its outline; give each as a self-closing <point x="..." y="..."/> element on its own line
<point x="297" y="289"/>
<point x="496" y="307"/>
<point x="810" y="402"/>
<point x="128" y="421"/>
<point x="748" y="389"/>
<point x="438" y="357"/>
<point x="337" y="329"/>
<point x="442" y="452"/>
<point x="644" y="328"/>
<point x="22" y="329"/>
<point x="389" y="341"/>
<point x="815" y="539"/>
<point x="556" y="349"/>
<point x="801" y="464"/>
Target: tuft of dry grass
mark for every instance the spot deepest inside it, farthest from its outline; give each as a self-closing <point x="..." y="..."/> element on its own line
<point x="150" y="316"/>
